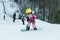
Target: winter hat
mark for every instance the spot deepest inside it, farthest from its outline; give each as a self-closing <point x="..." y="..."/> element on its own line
<point x="28" y="10"/>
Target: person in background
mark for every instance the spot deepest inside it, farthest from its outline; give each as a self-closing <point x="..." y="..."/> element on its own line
<point x="14" y="17"/>
<point x="22" y="18"/>
<point x="4" y="17"/>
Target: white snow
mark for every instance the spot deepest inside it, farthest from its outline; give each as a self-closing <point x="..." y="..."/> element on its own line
<point x="12" y="31"/>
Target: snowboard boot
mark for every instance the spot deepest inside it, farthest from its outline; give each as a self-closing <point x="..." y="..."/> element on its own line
<point x="27" y="28"/>
<point x="35" y="28"/>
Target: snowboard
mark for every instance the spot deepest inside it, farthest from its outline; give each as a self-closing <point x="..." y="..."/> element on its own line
<point x="24" y="30"/>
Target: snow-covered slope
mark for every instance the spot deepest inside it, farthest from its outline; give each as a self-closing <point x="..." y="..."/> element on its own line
<point x="12" y="31"/>
<point x="10" y="8"/>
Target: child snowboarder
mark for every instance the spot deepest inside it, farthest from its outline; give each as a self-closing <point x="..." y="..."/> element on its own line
<point x="30" y="19"/>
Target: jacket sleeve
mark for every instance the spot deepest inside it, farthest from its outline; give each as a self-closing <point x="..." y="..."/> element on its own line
<point x="33" y="17"/>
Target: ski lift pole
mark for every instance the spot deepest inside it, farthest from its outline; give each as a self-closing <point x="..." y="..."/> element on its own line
<point x="4" y="7"/>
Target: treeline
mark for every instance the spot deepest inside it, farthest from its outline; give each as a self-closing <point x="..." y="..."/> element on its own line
<point x="46" y="10"/>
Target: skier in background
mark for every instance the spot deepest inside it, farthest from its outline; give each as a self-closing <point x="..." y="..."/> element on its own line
<point x="22" y="18"/>
<point x="30" y="19"/>
<point x="4" y="17"/>
<point x="14" y="17"/>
